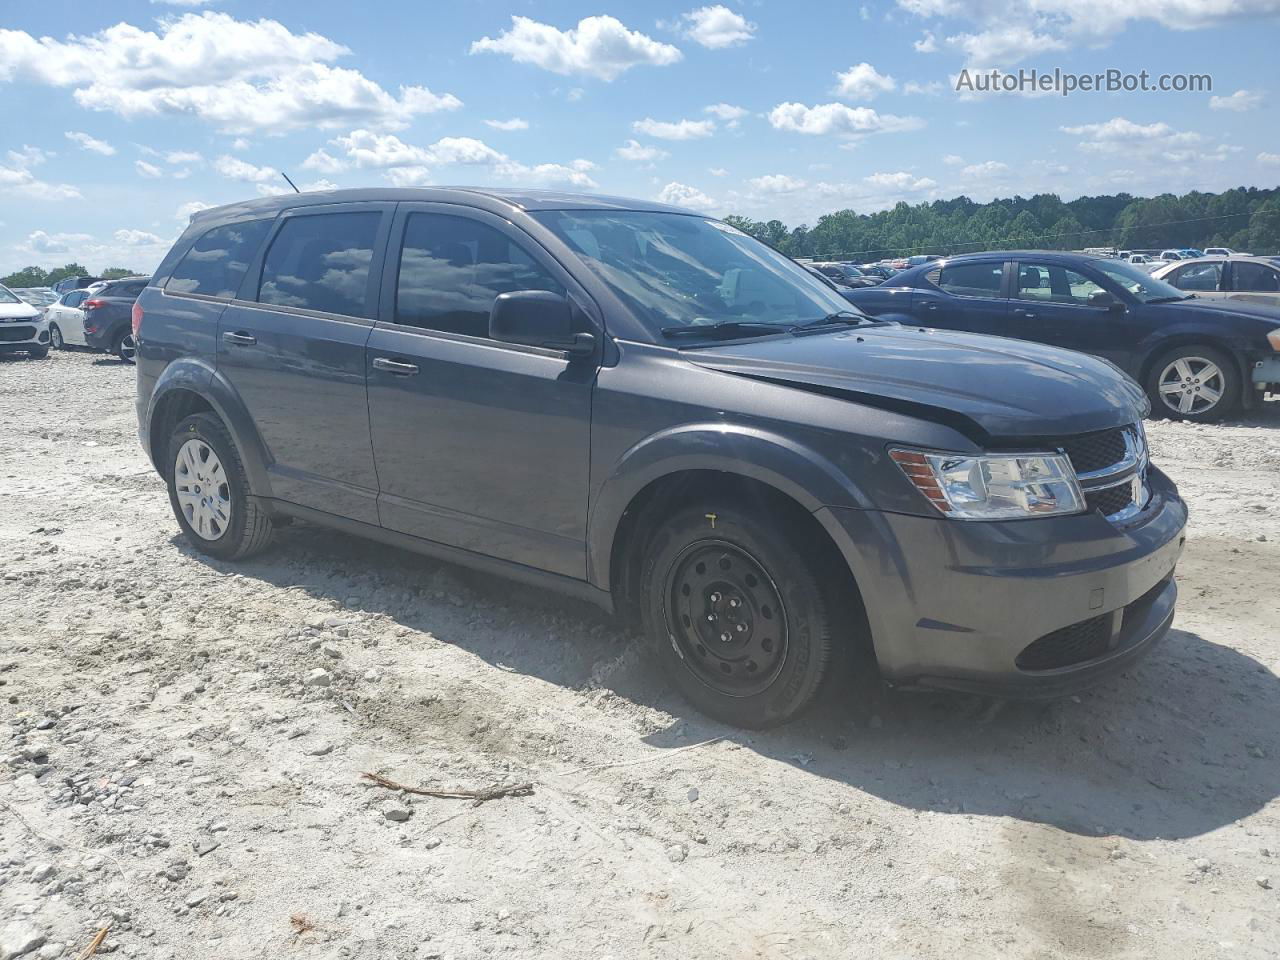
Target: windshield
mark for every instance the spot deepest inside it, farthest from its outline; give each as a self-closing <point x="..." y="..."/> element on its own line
<point x="7" y="297"/>
<point x="674" y="270"/>
<point x="1138" y="282"/>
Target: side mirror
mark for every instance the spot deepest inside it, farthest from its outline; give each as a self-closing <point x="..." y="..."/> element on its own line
<point x="1105" y="301"/>
<point x="537" y="318"/>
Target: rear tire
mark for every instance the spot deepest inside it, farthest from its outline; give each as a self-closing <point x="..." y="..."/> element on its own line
<point x="737" y="616"/>
<point x="1183" y="381"/>
<point x="203" y="465"/>
<point x="124" y="346"/>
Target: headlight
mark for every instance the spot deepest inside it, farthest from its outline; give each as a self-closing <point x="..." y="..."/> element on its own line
<point x="1273" y="338"/>
<point x="994" y="486"/>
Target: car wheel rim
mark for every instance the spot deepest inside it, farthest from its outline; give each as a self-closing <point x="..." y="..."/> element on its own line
<point x="128" y="348"/>
<point x="204" y="495"/>
<point x="725" y="617"/>
<point x="55" y="338"/>
<point x="1191" y="385"/>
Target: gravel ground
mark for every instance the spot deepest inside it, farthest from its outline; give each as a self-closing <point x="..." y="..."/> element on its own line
<point x="182" y="744"/>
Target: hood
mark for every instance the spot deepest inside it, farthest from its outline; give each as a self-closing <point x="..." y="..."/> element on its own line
<point x="989" y="388"/>
<point x="18" y="311"/>
<point x="1221" y="307"/>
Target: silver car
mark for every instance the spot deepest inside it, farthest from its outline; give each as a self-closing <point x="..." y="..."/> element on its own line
<point x="1251" y="279"/>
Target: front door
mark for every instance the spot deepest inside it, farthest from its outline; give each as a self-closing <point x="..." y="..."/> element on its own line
<point x="1051" y="305"/>
<point x="479" y="444"/>
<point x="292" y="345"/>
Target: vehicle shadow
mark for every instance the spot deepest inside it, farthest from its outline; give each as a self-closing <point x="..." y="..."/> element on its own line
<point x="1182" y="744"/>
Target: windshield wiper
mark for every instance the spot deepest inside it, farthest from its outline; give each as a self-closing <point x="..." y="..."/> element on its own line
<point x="746" y="328"/>
<point x="844" y="318"/>
<point x="1169" y="299"/>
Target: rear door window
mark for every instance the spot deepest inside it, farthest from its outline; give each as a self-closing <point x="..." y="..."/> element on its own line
<point x="321" y="262"/>
<point x="452" y="269"/>
<point x="1255" y="277"/>
<point x="970" y="279"/>
<point x="217" y="262"/>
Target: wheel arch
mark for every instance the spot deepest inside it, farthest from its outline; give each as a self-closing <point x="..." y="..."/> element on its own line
<point x="1194" y="338"/>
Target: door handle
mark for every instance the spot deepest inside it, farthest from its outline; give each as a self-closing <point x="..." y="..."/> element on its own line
<point x="931" y="306"/>
<point x="1029" y="314"/>
<point x="398" y="367"/>
<point x="240" y="339"/>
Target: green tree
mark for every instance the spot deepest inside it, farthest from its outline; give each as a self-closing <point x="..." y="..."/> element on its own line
<point x="115" y="273"/>
<point x="26" y="277"/>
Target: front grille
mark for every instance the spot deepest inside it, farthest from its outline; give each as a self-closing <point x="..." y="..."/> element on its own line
<point x="16" y="334"/>
<point x="1095" y="451"/>
<point x="1111" y="500"/>
<point x="1068" y="646"/>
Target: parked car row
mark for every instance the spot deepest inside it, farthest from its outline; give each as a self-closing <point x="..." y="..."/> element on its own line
<point x="1197" y="359"/>
<point x="89" y="312"/>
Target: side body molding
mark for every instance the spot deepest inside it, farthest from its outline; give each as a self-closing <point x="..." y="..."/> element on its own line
<point x="777" y="461"/>
<point x="199" y="376"/>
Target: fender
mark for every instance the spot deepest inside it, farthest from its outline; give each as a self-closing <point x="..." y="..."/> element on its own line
<point x="200" y="377"/>
<point x="777" y="461"/>
<point x="1189" y="332"/>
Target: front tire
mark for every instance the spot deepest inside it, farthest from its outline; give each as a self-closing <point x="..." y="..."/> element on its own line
<point x="734" y="612"/>
<point x="1195" y="383"/>
<point x="55" y="338"/>
<point x="209" y="491"/>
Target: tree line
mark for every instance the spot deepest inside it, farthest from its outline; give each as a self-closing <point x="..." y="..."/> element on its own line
<point x="1246" y="219"/>
<point x="39" y="277"/>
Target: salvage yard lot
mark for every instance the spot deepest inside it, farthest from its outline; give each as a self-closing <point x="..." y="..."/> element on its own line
<point x="182" y="745"/>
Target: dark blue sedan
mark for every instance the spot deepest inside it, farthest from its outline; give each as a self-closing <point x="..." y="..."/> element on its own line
<point x="1197" y="359"/>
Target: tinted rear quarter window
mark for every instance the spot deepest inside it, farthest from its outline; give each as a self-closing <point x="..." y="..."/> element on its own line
<point x="130" y="289"/>
<point x="321" y="261"/>
<point x="969" y="279"/>
<point x="217" y="262"/>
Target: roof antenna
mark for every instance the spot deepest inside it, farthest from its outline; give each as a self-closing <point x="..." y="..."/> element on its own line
<point x="290" y="182"/>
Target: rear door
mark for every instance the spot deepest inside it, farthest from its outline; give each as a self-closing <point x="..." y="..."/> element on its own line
<point x="1253" y="282"/>
<point x="292" y="345"/>
<point x="968" y="295"/>
<point x="479" y="444"/>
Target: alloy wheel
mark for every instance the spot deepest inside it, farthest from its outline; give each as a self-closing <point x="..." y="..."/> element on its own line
<point x="55" y="338"/>
<point x="128" y="348"/>
<point x="204" y="494"/>
<point x="725" y="617"/>
<point x="1191" y="385"/>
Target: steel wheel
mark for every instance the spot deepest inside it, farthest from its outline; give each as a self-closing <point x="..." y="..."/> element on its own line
<point x="128" y="348"/>
<point x="204" y="495"/>
<point x="725" y="617"/>
<point x="1191" y="385"/>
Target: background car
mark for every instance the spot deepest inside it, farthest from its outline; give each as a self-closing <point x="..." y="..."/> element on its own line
<point x="1197" y="359"/>
<point x="73" y="283"/>
<point x="844" y="274"/>
<point x="1170" y="256"/>
<point x="1247" y="279"/>
<point x="22" y="329"/>
<point x="38" y="297"/>
<point x="108" y="316"/>
<point x="1223" y="252"/>
<point x="66" y="320"/>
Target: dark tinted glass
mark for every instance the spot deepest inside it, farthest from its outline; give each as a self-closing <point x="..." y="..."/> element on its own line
<point x="74" y="298"/>
<point x="452" y="268"/>
<point x="1256" y="277"/>
<point x="321" y="262"/>
<point x="971" y="279"/>
<point x="130" y="289"/>
<point x="217" y="262"/>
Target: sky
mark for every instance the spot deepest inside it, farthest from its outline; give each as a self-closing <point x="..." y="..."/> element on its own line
<point x="122" y="118"/>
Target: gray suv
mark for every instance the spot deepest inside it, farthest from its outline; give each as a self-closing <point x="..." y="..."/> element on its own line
<point x="647" y="408"/>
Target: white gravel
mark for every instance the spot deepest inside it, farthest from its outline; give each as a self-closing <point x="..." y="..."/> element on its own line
<point x="173" y="767"/>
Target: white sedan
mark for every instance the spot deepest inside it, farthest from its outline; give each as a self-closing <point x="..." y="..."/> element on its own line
<point x="66" y="320"/>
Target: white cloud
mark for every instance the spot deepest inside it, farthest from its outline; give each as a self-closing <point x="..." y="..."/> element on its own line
<point x="717" y="27"/>
<point x="515" y="123"/>
<point x="317" y="185"/>
<point x="1240" y="101"/>
<point x="988" y="168"/>
<point x="240" y="143"/>
<point x="926" y="44"/>
<point x="190" y="209"/>
<point x="679" y="130"/>
<point x="682" y="195"/>
<point x="1003" y="44"/>
<point x="1121" y="134"/>
<point x="183" y="3"/>
<point x="137" y="238"/>
<point x="92" y="144"/>
<point x="42" y="242"/>
<point x="16" y="177"/>
<point x="952" y="160"/>
<point x="238" y="75"/>
<point x="718" y="171"/>
<point x="838" y="119"/>
<point x="637" y="152"/>
<point x="410" y="165"/>
<point x="323" y="162"/>
<point x="863" y="82"/>
<point x="931" y="88"/>
<point x="900" y="181"/>
<point x="148" y="170"/>
<point x="731" y="115"/>
<point x="1269" y="159"/>
<point x="778" y="183"/>
<point x="176" y="157"/>
<point x="236" y="169"/>
<point x="601" y="47"/>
